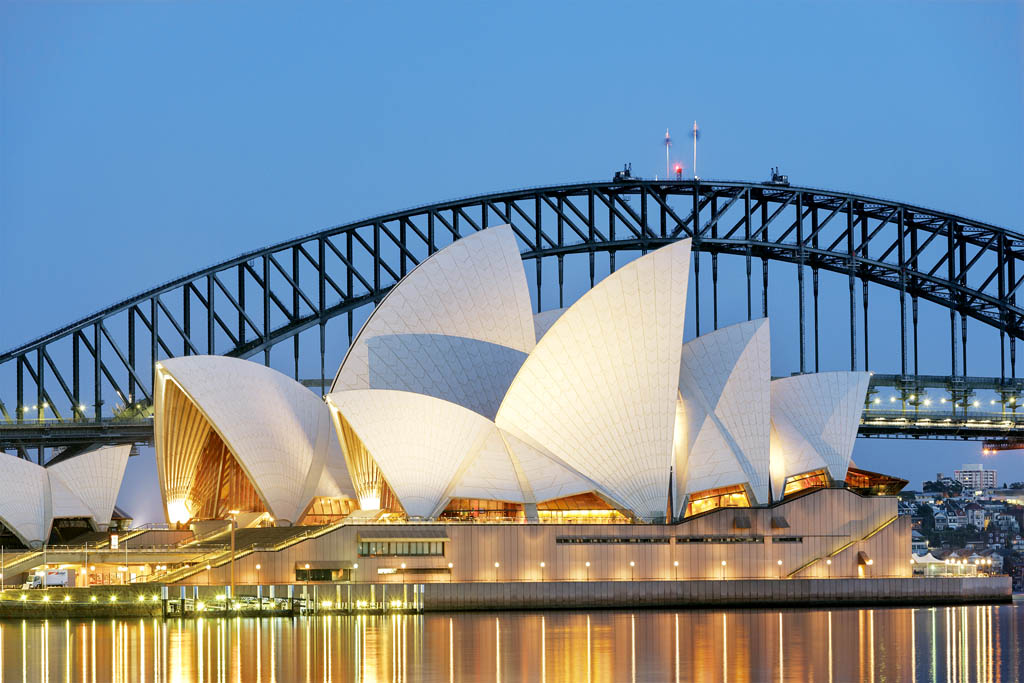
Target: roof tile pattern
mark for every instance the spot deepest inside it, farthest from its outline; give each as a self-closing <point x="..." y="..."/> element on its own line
<point x="543" y="321"/>
<point x="95" y="477"/>
<point x="64" y="502"/>
<point x="28" y="513"/>
<point x="724" y="386"/>
<point x="279" y="431"/>
<point x="491" y="475"/>
<point x="419" y="442"/>
<point x="599" y="390"/>
<point x="474" y="288"/>
<point x="815" y="419"/>
<point x="470" y="372"/>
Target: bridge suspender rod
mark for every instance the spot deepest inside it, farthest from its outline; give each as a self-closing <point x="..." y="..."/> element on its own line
<point x="864" y="281"/>
<point x="800" y="278"/>
<point x="295" y="309"/>
<point x="1011" y="276"/>
<point x="903" y="295"/>
<point x="853" y="305"/>
<point x="951" y="273"/>
<point x="746" y="238"/>
<point x="695" y="250"/>
<point x="714" y="290"/>
<point x="962" y="279"/>
<point x="714" y="264"/>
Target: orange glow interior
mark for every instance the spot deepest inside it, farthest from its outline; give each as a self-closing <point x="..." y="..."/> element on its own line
<point x="818" y="479"/>
<point x="583" y="508"/>
<point x="712" y="499"/>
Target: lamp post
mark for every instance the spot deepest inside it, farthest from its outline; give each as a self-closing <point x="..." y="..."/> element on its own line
<point x="631" y="565"/>
<point x="233" y="514"/>
<point x="780" y="568"/>
<point x="588" y="570"/>
<point x="450" y="566"/>
<point x="723" y="569"/>
<point x="829" y="563"/>
<point x="542" y="571"/>
<point x="496" y="566"/>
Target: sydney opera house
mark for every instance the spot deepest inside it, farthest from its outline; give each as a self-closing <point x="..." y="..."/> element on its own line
<point x="467" y="437"/>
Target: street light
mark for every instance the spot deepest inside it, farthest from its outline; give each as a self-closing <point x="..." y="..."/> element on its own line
<point x="631" y="565"/>
<point x="542" y="571"/>
<point x="780" y="568"/>
<point x="450" y="565"/>
<point x="829" y="563"/>
<point x="723" y="569"/>
<point x="496" y="566"/>
<point x="675" y="569"/>
<point x="588" y="570"/>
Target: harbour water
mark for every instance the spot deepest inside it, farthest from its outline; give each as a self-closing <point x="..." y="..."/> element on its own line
<point x="966" y="643"/>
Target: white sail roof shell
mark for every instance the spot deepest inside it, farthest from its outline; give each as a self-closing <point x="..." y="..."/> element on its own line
<point x="279" y="431"/>
<point x="724" y="386"/>
<point x="599" y="390"/>
<point x="95" y="477"/>
<point x="420" y="443"/>
<point x="543" y="321"/>
<point x="546" y="478"/>
<point x="27" y="513"/>
<point x="431" y="451"/>
<point x="473" y="289"/>
<point x="815" y="418"/>
<point x="469" y="372"/>
<point x="64" y="502"/>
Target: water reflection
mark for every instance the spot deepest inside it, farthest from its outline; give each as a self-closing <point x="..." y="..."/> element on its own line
<point x="977" y="643"/>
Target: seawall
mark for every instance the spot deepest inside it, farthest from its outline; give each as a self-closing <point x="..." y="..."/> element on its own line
<point x="711" y="593"/>
<point x="139" y="601"/>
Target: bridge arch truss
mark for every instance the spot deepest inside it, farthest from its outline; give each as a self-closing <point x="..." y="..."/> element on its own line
<point x="102" y="365"/>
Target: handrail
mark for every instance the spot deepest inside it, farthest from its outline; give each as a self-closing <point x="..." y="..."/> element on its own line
<point x="843" y="547"/>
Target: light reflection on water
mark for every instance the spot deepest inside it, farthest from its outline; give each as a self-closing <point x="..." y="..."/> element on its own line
<point x="974" y="643"/>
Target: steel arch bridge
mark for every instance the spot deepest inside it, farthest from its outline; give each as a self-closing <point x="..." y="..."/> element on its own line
<point x="91" y="380"/>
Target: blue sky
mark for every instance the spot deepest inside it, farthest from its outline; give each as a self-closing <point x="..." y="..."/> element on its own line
<point x="141" y="140"/>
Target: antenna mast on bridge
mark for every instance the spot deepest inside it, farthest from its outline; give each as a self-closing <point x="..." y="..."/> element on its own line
<point x="695" y="134"/>
<point x="668" y="145"/>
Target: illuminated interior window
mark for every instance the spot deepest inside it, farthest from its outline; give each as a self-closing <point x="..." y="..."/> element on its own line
<point x="202" y="477"/>
<point x="473" y="510"/>
<point x="818" y="479"/>
<point x="873" y="483"/>
<point x="583" y="508"/>
<point x="324" y="510"/>
<point x="221" y="484"/>
<point x="712" y="499"/>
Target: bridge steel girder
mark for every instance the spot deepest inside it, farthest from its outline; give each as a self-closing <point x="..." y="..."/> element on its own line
<point x="247" y="305"/>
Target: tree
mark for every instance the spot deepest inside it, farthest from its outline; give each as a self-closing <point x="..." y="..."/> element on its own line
<point x="947" y="487"/>
<point x="927" y="518"/>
